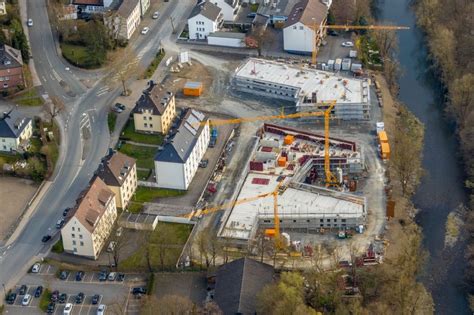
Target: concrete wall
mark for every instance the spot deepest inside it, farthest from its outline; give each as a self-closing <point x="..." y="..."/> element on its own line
<point x="225" y="41"/>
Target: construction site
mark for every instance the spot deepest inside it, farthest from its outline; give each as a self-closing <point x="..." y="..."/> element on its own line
<point x="307" y="87"/>
<point x="280" y="178"/>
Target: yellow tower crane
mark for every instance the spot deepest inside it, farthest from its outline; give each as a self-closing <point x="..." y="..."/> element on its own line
<point x="351" y="27"/>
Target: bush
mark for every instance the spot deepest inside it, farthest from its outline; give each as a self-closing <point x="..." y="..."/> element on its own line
<point x="58" y="247"/>
<point x="45" y="299"/>
<point x="154" y="64"/>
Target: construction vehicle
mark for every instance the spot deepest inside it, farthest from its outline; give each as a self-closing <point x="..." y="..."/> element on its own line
<point x="350" y="27"/>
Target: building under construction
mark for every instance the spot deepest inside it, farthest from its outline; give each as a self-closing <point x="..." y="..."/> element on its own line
<point x="306" y="87"/>
<point x="289" y="156"/>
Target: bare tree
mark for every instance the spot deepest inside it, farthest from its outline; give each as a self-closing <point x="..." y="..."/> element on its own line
<point x="121" y="241"/>
<point x="125" y="66"/>
<point x="54" y="107"/>
<point x="203" y="246"/>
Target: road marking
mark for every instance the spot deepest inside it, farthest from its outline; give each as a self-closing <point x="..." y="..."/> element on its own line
<point x="56" y="75"/>
<point x="103" y="91"/>
<point x="47" y="270"/>
<point x="82" y="304"/>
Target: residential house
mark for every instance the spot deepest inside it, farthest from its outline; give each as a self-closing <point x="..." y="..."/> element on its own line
<point x="11" y="68"/>
<point x="177" y="162"/>
<point x="69" y="12"/>
<point x="155" y="110"/>
<point x="205" y="18"/>
<point x="304" y="28"/>
<point x="238" y="284"/>
<point x="125" y="21"/>
<point x="3" y="7"/>
<point x="93" y="6"/>
<point x="15" y="131"/>
<point x="144" y="5"/>
<point x="90" y="222"/>
<point x="229" y="8"/>
<point x="119" y="172"/>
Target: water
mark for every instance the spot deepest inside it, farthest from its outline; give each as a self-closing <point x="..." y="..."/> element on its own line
<point x="441" y="189"/>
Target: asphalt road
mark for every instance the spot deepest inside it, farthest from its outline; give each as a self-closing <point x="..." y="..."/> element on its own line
<point x="84" y="132"/>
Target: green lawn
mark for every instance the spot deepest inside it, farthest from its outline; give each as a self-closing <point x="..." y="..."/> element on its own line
<point x="135" y="207"/>
<point x="111" y="120"/>
<point x="143" y="175"/>
<point x="172" y="235"/>
<point x="128" y="133"/>
<point x="144" y="155"/>
<point x="58" y="247"/>
<point x="147" y="194"/>
<point x="45" y="299"/>
<point x="29" y="97"/>
<point x="77" y="55"/>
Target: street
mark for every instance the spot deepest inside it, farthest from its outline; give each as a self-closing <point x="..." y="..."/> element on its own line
<point x="86" y="113"/>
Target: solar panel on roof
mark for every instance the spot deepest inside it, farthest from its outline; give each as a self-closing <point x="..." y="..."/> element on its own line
<point x="193" y="121"/>
<point x="190" y="129"/>
<point x="198" y="114"/>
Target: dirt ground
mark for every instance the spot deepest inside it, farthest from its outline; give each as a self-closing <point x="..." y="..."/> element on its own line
<point x="20" y="192"/>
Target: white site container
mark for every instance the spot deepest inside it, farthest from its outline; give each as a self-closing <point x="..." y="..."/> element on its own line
<point x="346" y="64"/>
<point x="356" y="67"/>
<point x="337" y="64"/>
<point x="353" y="53"/>
<point x="331" y="64"/>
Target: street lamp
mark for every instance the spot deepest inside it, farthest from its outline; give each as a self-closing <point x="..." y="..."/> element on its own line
<point x="4" y="290"/>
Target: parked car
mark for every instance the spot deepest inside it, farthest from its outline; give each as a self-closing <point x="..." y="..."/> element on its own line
<point x="120" y="106"/>
<point x="111" y="246"/>
<point x="252" y="15"/>
<point x="51" y="308"/>
<point x="23" y="290"/>
<point x="11" y="298"/>
<point x="62" y="298"/>
<point x="38" y="291"/>
<point x="67" y="309"/>
<point x="138" y="290"/>
<point x="112" y="276"/>
<point x="103" y="275"/>
<point x="64" y="274"/>
<point x="36" y="268"/>
<point x="155" y="15"/>
<point x="333" y="33"/>
<point x="26" y="300"/>
<point x="66" y="211"/>
<point x="116" y="109"/>
<point x="145" y="30"/>
<point x="101" y="309"/>
<point x="348" y="44"/>
<point x="79" y="275"/>
<point x="60" y="223"/>
<point x="46" y="238"/>
<point x="79" y="298"/>
<point x="55" y="296"/>
<point x="203" y="163"/>
<point x="95" y="299"/>
<point x="120" y="277"/>
<point x="119" y="231"/>
<point x="29" y="22"/>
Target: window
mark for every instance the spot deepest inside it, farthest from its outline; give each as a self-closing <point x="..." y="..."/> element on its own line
<point x="74" y="249"/>
<point x="321" y="225"/>
<point x="301" y="27"/>
<point x="80" y="236"/>
<point x="343" y="220"/>
<point x="73" y="228"/>
<point x="335" y="220"/>
<point x="82" y="243"/>
<point x="321" y="220"/>
<point x="328" y="220"/>
<point x="151" y="125"/>
<point x="266" y="221"/>
<point x="73" y="242"/>
<point x="308" y="221"/>
<point x="78" y="229"/>
<point x="73" y="235"/>
<point x="294" y="221"/>
<point x="294" y="27"/>
<point x="145" y="125"/>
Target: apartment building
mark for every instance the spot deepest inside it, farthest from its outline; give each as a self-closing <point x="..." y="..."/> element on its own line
<point x="124" y="22"/>
<point x="229" y="8"/>
<point x="89" y="224"/>
<point x="3" y="7"/>
<point x="15" y="131"/>
<point x="11" y="68"/>
<point x="205" y="18"/>
<point x="304" y="28"/>
<point x="178" y="161"/>
<point x="92" y="6"/>
<point x="155" y="110"/>
<point x="119" y="172"/>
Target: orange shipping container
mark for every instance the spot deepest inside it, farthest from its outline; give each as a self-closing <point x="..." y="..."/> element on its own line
<point x="289" y="139"/>
<point x="385" y="150"/>
<point x="192" y="89"/>
<point x="383" y="137"/>
<point x="270" y="232"/>
<point x="282" y="161"/>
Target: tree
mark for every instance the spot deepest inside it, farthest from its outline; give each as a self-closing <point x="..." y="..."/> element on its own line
<point x="284" y="297"/>
<point x="54" y="107"/>
<point x="96" y="39"/>
<point x="462" y="98"/>
<point x="406" y="151"/>
<point x="148" y="249"/>
<point x="203" y="246"/>
<point x="126" y="65"/>
<point x="121" y="241"/>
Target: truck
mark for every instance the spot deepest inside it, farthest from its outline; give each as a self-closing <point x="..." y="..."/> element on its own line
<point x="213" y="140"/>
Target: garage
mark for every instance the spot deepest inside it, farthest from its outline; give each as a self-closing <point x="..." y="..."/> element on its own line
<point x="226" y="39"/>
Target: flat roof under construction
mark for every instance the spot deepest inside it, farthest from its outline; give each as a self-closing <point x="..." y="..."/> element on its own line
<point x="292" y="203"/>
<point x="327" y="85"/>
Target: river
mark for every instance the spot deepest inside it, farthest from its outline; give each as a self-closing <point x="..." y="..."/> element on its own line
<point x="441" y="189"/>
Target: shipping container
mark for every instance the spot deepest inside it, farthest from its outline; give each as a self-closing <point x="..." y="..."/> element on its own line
<point x="346" y="64"/>
<point x="337" y="64"/>
<point x="192" y="89"/>
<point x="282" y="161"/>
<point x="289" y="139"/>
<point x="383" y="138"/>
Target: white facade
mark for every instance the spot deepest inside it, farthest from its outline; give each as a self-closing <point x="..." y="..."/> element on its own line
<point x="123" y="27"/>
<point x="178" y="175"/>
<point x="8" y="144"/>
<point x="78" y="240"/>
<point x="93" y="8"/>
<point x="229" y="13"/>
<point x="3" y="8"/>
<point x="145" y="5"/>
<point x="200" y="26"/>
<point x="298" y="38"/>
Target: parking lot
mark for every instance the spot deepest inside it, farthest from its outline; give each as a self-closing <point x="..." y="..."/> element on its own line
<point x="114" y="294"/>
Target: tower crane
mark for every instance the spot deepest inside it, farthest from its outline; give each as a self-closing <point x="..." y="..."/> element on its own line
<point x="351" y="27"/>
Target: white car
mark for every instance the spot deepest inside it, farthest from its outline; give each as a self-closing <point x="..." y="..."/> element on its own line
<point x="67" y="309"/>
<point x="101" y="309"/>
<point x="29" y="22"/>
<point x="348" y="44"/>
<point x="36" y="268"/>
<point x="155" y="15"/>
<point x="111" y="246"/>
<point x="145" y="30"/>
<point x="119" y="231"/>
<point x="26" y="300"/>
